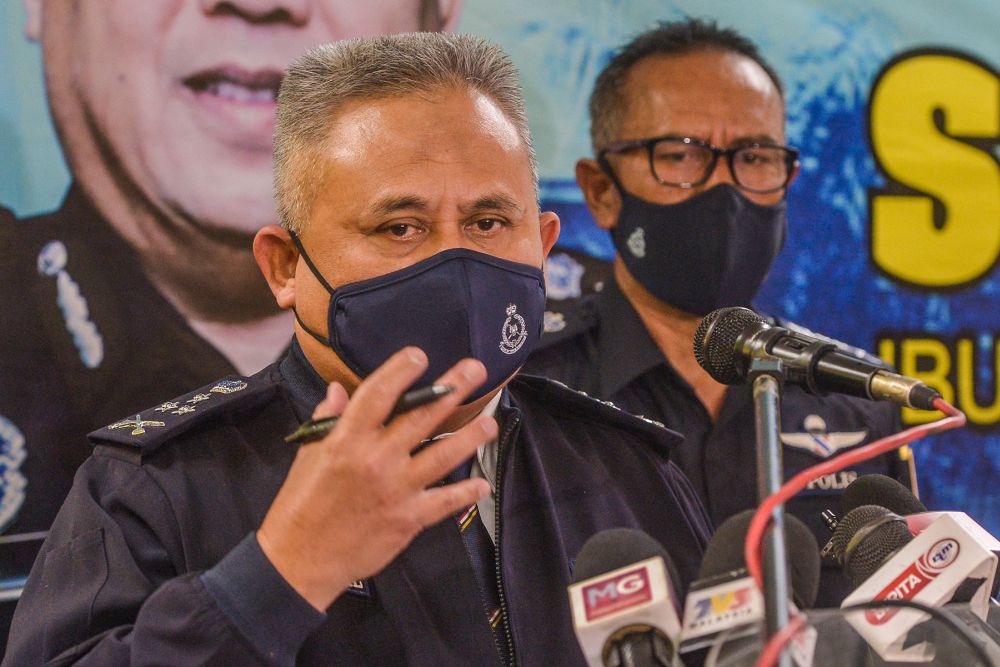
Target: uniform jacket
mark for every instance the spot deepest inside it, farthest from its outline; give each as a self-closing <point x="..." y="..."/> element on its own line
<point x="603" y="348"/>
<point x="86" y="339"/>
<point x="152" y="558"/>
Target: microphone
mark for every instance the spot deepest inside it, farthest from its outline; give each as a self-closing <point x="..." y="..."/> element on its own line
<point x="880" y="490"/>
<point x="729" y="339"/>
<point x="623" y="599"/>
<point x="724" y="607"/>
<point x="952" y="560"/>
<point x="873" y="491"/>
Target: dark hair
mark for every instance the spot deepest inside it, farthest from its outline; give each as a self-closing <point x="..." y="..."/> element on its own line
<point x="667" y="38"/>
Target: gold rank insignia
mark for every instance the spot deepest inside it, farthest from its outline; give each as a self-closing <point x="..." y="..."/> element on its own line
<point x="138" y="424"/>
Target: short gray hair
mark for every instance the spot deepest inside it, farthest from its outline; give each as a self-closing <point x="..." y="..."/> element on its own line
<point x="322" y="81"/>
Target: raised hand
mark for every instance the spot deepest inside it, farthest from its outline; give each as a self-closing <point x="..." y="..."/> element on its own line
<point x="353" y="500"/>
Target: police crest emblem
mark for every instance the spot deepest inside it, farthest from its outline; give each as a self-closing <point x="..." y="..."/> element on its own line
<point x="637" y="242"/>
<point x="228" y="387"/>
<point x="514" y="331"/>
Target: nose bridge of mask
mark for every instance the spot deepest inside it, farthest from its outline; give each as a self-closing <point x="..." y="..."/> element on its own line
<point x="371" y="319"/>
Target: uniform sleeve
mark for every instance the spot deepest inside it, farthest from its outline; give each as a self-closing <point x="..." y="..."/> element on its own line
<point x="106" y="588"/>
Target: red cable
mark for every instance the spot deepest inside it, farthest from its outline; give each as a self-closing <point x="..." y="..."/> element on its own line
<point x="762" y="517"/>
<point x="776" y="644"/>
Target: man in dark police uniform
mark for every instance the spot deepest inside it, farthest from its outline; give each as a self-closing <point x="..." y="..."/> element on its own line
<point x="690" y="176"/>
<point x="411" y="241"/>
<point x="142" y="284"/>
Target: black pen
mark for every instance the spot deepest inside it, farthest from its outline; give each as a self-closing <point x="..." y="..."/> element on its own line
<point x="316" y="429"/>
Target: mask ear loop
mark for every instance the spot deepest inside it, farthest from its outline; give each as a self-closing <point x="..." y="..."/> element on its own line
<point x="309" y="262"/>
<point x="322" y="281"/>
<point x="605" y="166"/>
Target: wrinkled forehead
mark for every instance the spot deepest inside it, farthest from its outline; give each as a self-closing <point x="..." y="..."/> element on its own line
<point x="424" y="121"/>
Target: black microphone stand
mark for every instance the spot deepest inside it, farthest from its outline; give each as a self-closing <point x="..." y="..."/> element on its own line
<point x="768" y="375"/>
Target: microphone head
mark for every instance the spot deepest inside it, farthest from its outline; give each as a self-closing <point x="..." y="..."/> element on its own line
<point x="715" y="342"/>
<point x="865" y="538"/>
<point x="616" y="548"/>
<point x="624" y="601"/>
<point x="883" y="491"/>
<point x="724" y="553"/>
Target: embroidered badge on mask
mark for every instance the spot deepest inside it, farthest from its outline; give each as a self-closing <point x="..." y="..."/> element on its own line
<point x="637" y="242"/>
<point x="87" y="339"/>
<point x="818" y="441"/>
<point x="12" y="480"/>
<point x="361" y="588"/>
<point x="514" y="331"/>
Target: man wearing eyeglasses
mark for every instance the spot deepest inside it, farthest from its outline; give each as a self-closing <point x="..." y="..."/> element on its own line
<point x="690" y="176"/>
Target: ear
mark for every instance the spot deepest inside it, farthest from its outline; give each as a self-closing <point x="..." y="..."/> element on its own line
<point x="449" y="11"/>
<point x="277" y="258"/>
<point x="600" y="193"/>
<point x="33" y="19"/>
<point x="548" y="223"/>
<point x="795" y="174"/>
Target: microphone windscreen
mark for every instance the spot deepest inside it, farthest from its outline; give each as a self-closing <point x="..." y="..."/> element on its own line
<point x="613" y="549"/>
<point x="863" y="553"/>
<point x="715" y="342"/>
<point x="882" y="491"/>
<point x="724" y="553"/>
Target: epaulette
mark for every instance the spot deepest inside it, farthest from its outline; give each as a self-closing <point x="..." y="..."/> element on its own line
<point x="856" y="352"/>
<point x="562" y="401"/>
<point x="563" y="324"/>
<point x="151" y="428"/>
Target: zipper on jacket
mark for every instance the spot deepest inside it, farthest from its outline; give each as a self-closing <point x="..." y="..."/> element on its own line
<point x="508" y="433"/>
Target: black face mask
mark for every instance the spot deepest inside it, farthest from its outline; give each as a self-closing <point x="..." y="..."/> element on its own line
<point x="455" y="304"/>
<point x="710" y="251"/>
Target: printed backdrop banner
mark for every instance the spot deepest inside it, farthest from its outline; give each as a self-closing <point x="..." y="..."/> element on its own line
<point x="895" y="218"/>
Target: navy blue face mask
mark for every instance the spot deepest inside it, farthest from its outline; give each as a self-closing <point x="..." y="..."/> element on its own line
<point x="710" y="251"/>
<point x="458" y="303"/>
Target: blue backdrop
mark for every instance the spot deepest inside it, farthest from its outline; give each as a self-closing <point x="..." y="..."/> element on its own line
<point x="895" y="218"/>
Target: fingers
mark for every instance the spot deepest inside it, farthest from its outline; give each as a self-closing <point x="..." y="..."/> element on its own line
<point x="438" y="502"/>
<point x="442" y="456"/>
<point x="374" y="398"/>
<point x="334" y="402"/>
<point x="411" y="427"/>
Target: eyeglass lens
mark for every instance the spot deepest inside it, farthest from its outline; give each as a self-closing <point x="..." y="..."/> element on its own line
<point x="754" y="167"/>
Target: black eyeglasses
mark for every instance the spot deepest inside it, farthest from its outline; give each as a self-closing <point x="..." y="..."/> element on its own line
<point x="684" y="162"/>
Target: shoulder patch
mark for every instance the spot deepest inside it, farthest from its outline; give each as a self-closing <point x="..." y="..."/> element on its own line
<point x="562" y="400"/>
<point x="152" y="427"/>
<point x="563" y="323"/>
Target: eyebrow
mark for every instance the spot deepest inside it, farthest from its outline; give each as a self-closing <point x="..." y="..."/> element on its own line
<point x="491" y="202"/>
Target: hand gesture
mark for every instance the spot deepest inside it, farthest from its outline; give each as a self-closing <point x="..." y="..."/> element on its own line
<point x="353" y="500"/>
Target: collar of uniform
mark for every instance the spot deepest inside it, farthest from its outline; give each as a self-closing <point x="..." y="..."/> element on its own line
<point x="626" y="349"/>
<point x="305" y="386"/>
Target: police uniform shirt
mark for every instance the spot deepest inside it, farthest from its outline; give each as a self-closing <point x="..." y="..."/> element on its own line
<point x="603" y="348"/>
<point x="86" y="339"/>
<point x="153" y="557"/>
